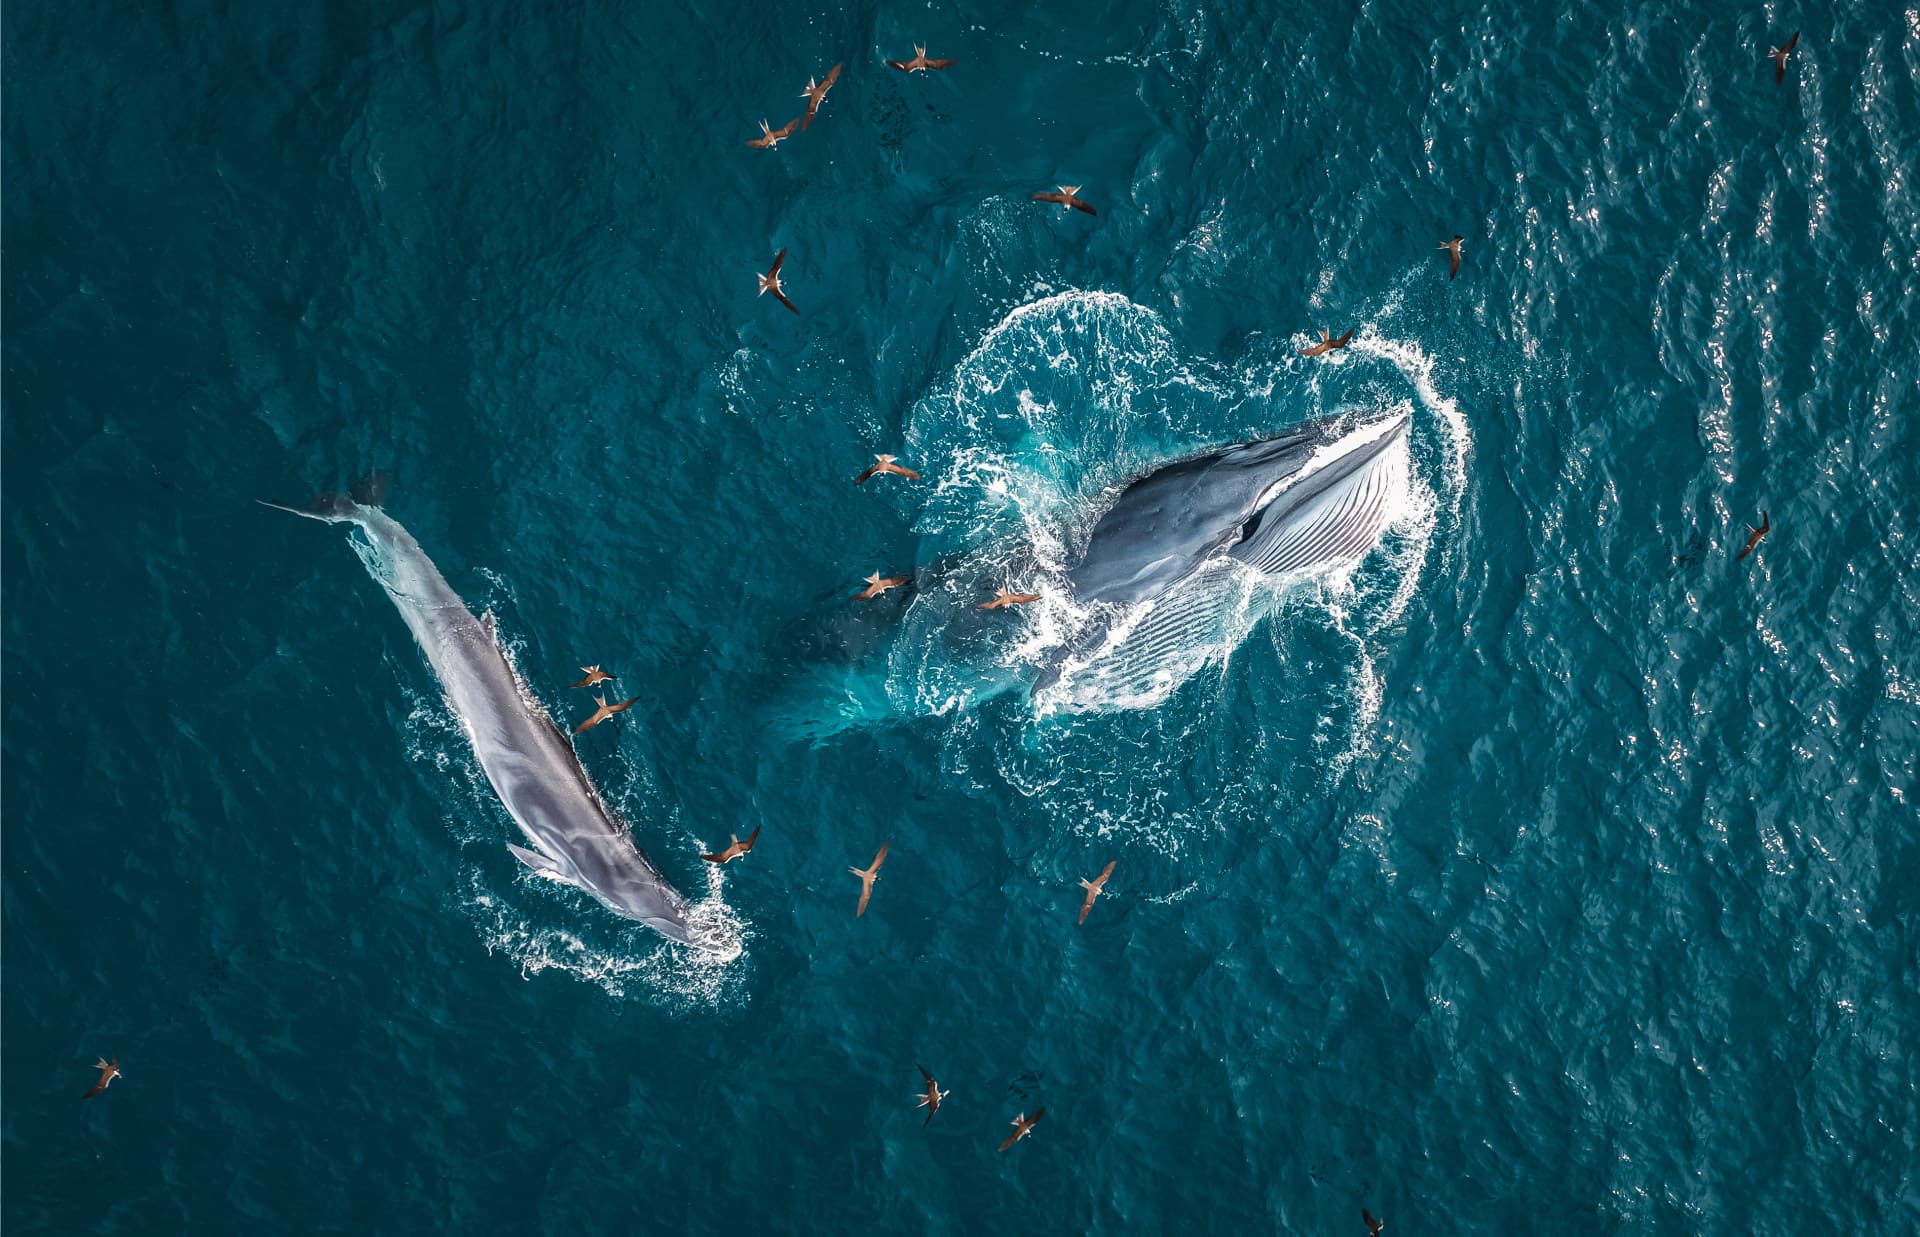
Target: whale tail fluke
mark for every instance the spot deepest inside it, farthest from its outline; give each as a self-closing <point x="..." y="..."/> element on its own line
<point x="371" y="490"/>
<point x="368" y="491"/>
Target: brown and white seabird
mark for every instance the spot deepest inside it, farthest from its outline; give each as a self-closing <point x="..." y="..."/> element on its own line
<point x="1023" y="1126"/>
<point x="1067" y="199"/>
<point x="815" y="93"/>
<point x="109" y="1070"/>
<point x="1780" y="55"/>
<point x="1093" y="888"/>
<point x="1754" y="535"/>
<point x="1453" y="248"/>
<point x="736" y="849"/>
<point x="885" y="463"/>
<point x="931" y="1097"/>
<point x="771" y="137"/>
<point x="594" y="675"/>
<point x="770" y="282"/>
<point x="920" y="63"/>
<point x="868" y="876"/>
<point x="1002" y="598"/>
<point x="605" y="711"/>
<point x="878" y="584"/>
<point x="1327" y="343"/>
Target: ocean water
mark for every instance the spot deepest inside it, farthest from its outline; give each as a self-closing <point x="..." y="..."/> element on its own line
<point x="1548" y="870"/>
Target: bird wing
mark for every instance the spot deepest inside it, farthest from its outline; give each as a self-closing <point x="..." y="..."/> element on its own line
<point x="924" y="1074"/>
<point x="1105" y="872"/>
<point x="761" y="142"/>
<point x="94" y="1090"/>
<point x="719" y="858"/>
<point x="806" y="121"/>
<point x="1077" y="204"/>
<point x="1454" y="267"/>
<point x="786" y="130"/>
<point x="862" y="478"/>
<point x="778" y="258"/>
<point x="1011" y="1139"/>
<point x="833" y="75"/>
<point x="1795" y="38"/>
<point x="623" y="706"/>
<point x="1088" y="904"/>
<point x="1780" y="68"/>
<point x="895" y="64"/>
<point x="1021" y="599"/>
<point x="782" y="298"/>
<point x="866" y="895"/>
<point x="881" y="857"/>
<point x="1344" y="340"/>
<point x="599" y="715"/>
<point x="1316" y="350"/>
<point x="1050" y="197"/>
<point x="908" y="473"/>
<point x="751" y="839"/>
<point x="938" y="64"/>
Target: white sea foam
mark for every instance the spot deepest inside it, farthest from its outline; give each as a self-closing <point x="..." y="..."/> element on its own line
<point x="522" y="918"/>
<point x="622" y="961"/>
<point x="1066" y="399"/>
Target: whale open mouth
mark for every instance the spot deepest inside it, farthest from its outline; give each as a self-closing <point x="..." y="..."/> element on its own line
<point x="1322" y="518"/>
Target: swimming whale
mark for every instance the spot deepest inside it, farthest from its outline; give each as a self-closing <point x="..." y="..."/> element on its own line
<point x="1153" y="570"/>
<point x="575" y="837"/>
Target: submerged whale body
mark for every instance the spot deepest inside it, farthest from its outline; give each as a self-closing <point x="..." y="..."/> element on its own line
<point x="576" y="838"/>
<point x="1158" y="566"/>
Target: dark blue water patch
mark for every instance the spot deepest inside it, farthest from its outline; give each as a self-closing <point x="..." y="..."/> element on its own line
<point x="1554" y="863"/>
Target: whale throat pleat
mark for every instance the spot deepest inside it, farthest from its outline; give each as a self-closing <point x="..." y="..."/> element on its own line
<point x="1339" y="524"/>
<point x="1198" y="620"/>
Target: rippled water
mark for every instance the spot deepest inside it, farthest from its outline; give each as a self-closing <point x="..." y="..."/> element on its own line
<point x="1548" y="868"/>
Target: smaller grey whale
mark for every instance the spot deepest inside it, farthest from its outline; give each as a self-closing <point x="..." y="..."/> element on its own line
<point x="576" y="838"/>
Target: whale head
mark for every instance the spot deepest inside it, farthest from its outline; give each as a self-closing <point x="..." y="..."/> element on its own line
<point x="1319" y="494"/>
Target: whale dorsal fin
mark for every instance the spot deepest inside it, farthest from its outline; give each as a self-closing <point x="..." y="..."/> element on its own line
<point x="541" y="865"/>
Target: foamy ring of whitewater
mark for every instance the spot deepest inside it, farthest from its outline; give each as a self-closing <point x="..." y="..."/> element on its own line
<point x="1072" y="395"/>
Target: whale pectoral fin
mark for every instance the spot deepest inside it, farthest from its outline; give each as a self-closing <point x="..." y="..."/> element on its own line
<point x="541" y="865"/>
<point x="486" y="625"/>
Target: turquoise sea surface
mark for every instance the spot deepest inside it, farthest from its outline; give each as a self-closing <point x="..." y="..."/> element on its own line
<point x="1548" y="871"/>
